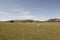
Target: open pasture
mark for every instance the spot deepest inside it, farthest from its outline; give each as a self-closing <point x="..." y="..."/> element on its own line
<point x="30" y="31"/>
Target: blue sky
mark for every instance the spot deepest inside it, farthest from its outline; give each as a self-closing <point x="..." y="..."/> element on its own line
<point x="29" y="9"/>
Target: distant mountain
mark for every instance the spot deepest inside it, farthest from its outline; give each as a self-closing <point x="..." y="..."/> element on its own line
<point x="54" y="20"/>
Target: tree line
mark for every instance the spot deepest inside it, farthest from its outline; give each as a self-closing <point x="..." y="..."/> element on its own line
<point x="25" y="21"/>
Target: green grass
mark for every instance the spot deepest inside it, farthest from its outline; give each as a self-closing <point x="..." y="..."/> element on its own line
<point x="30" y="31"/>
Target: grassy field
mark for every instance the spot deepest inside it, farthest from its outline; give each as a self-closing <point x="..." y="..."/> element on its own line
<point x="30" y="31"/>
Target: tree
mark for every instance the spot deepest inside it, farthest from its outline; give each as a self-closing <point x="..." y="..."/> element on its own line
<point x="11" y="21"/>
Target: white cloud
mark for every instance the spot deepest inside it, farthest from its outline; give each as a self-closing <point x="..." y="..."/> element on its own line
<point x="11" y="11"/>
<point x="21" y="11"/>
<point x="27" y="17"/>
<point x="16" y="14"/>
<point x="3" y="13"/>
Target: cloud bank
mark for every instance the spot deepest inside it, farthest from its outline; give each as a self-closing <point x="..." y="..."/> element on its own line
<point x="12" y="11"/>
